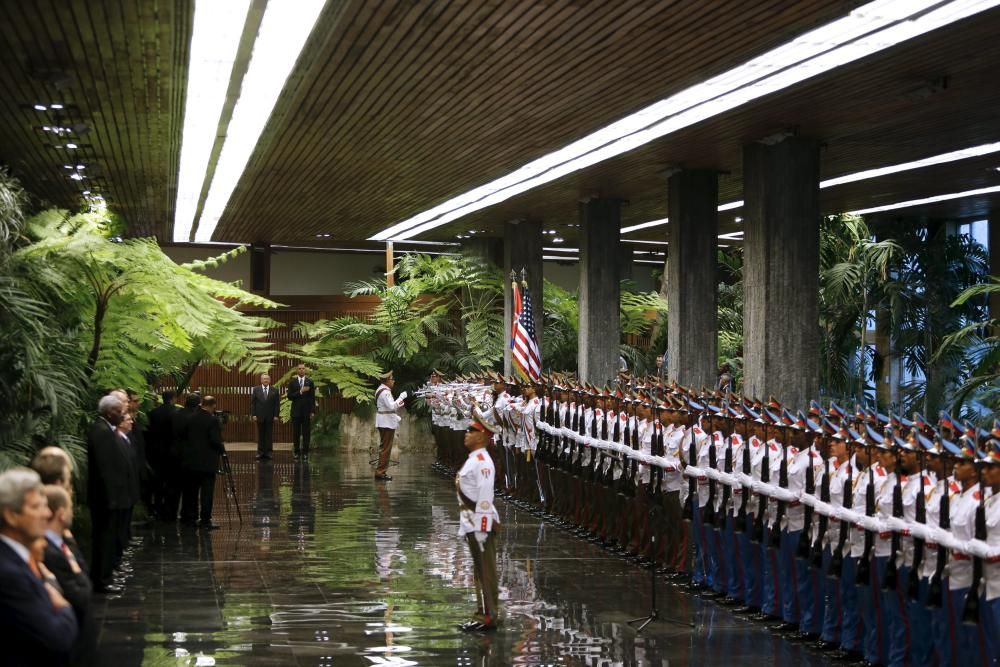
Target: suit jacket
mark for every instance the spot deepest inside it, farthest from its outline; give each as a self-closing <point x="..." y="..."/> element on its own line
<point x="77" y="590"/>
<point x="109" y="469"/>
<point x="303" y="404"/>
<point x="180" y="433"/>
<point x="160" y="434"/>
<point x="264" y="408"/>
<point x="204" y="443"/>
<point x="132" y="448"/>
<point x="34" y="633"/>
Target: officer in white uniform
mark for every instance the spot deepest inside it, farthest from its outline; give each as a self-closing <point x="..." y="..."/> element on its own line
<point x="478" y="520"/>
<point x="386" y="421"/>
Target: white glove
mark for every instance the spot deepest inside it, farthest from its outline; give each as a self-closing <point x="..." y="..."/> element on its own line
<point x="481" y="538"/>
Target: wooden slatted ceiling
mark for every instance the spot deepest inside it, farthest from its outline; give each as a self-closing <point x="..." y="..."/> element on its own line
<point x="120" y="67"/>
<point x="398" y="106"/>
<point x="868" y="115"/>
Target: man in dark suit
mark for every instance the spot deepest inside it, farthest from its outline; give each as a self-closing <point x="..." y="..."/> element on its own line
<point x="264" y="402"/>
<point x="109" y="492"/>
<point x="174" y="465"/>
<point x="39" y="625"/>
<point x="64" y="560"/>
<point x="159" y="440"/>
<point x="302" y="394"/>
<point x="201" y="462"/>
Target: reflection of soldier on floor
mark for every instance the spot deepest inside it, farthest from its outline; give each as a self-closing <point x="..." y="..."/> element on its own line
<point x="479" y="519"/>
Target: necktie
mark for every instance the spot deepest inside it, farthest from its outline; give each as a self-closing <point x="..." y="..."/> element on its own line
<point x="265" y="391"/>
<point x="71" y="559"/>
<point x="34" y="567"/>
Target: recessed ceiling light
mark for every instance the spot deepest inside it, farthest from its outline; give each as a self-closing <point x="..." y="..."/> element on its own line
<point x="869" y="29"/>
<point x="472" y="231"/>
<point x="81" y="166"/>
<point x="67" y="166"/>
<point x="738" y="219"/>
<point x="71" y="146"/>
<point x="39" y="107"/>
<point x="86" y="192"/>
<point x="557" y="240"/>
<point x="56" y="105"/>
<point x="283" y="32"/>
<point x="76" y="177"/>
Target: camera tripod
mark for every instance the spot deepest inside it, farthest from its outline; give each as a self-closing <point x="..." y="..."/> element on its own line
<point x="654" y="613"/>
<point x="229" y="486"/>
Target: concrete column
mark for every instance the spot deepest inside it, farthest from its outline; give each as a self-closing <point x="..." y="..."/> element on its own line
<point x="489" y="250"/>
<point x="600" y="273"/>
<point x="626" y="265"/>
<point x="781" y="270"/>
<point x="994" y="243"/>
<point x="692" y="332"/>
<point x="522" y="249"/>
<point x="260" y="268"/>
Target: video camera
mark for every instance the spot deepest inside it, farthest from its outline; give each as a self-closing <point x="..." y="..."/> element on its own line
<point x="222" y="416"/>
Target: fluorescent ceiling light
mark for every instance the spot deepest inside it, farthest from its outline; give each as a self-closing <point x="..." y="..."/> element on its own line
<point x="732" y="236"/>
<point x="869" y="29"/>
<point x="561" y="249"/>
<point x="214" y="42"/>
<point x="926" y="200"/>
<point x="647" y="261"/>
<point x="645" y="225"/>
<point x="943" y="158"/>
<point x="283" y="32"/>
<point x="561" y="258"/>
<point x="642" y="241"/>
<point x="963" y="154"/>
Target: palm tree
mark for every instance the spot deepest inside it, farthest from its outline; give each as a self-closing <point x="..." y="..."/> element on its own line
<point x="855" y="279"/>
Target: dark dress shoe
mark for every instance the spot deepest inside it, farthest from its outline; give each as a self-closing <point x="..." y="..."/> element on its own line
<point x="841" y="655"/>
<point x="728" y="601"/>
<point x="746" y="610"/>
<point x="383" y="478"/>
<point x="469" y="626"/>
<point x="108" y="589"/>
<point x="824" y="646"/>
<point x="784" y="628"/>
<point x="801" y="636"/>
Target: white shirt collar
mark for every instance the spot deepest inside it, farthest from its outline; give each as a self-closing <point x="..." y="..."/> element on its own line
<point x="18" y="548"/>
<point x="54" y="537"/>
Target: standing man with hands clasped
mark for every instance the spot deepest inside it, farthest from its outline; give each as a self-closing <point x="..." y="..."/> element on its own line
<point x="386" y="421"/>
<point x="264" y="400"/>
<point x="301" y="392"/>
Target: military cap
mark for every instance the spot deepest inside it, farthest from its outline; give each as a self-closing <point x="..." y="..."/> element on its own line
<point x="991" y="452"/>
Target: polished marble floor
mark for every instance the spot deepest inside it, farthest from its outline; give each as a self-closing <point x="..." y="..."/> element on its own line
<point x="329" y="568"/>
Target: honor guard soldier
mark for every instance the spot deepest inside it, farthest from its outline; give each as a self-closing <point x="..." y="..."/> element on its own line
<point x="478" y="520"/>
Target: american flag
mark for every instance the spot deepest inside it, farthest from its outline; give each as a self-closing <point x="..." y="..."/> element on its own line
<point x="523" y="344"/>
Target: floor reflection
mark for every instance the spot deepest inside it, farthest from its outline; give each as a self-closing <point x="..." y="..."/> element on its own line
<point x="329" y="568"/>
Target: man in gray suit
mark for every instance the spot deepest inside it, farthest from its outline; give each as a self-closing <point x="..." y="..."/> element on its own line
<point x="264" y="401"/>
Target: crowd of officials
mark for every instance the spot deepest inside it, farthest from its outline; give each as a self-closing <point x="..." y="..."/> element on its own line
<point x="46" y="583"/>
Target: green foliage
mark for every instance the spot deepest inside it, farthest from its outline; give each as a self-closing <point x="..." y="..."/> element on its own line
<point x="730" y="312"/>
<point x="446" y="312"/>
<point x="82" y="310"/>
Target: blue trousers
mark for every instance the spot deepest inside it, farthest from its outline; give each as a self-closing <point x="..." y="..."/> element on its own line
<point x="990" y="618"/>
<point x="750" y="559"/>
<point x="716" y="559"/>
<point x="769" y="601"/>
<point x="732" y="561"/>
<point x="831" y="599"/>
<point x="850" y="628"/>
<point x="894" y="603"/>
<point x="810" y="597"/>
<point x="702" y="569"/>
<point x="921" y="633"/>
<point x="788" y="579"/>
<point x="968" y="640"/>
<point x="943" y="630"/>
<point x="873" y="615"/>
